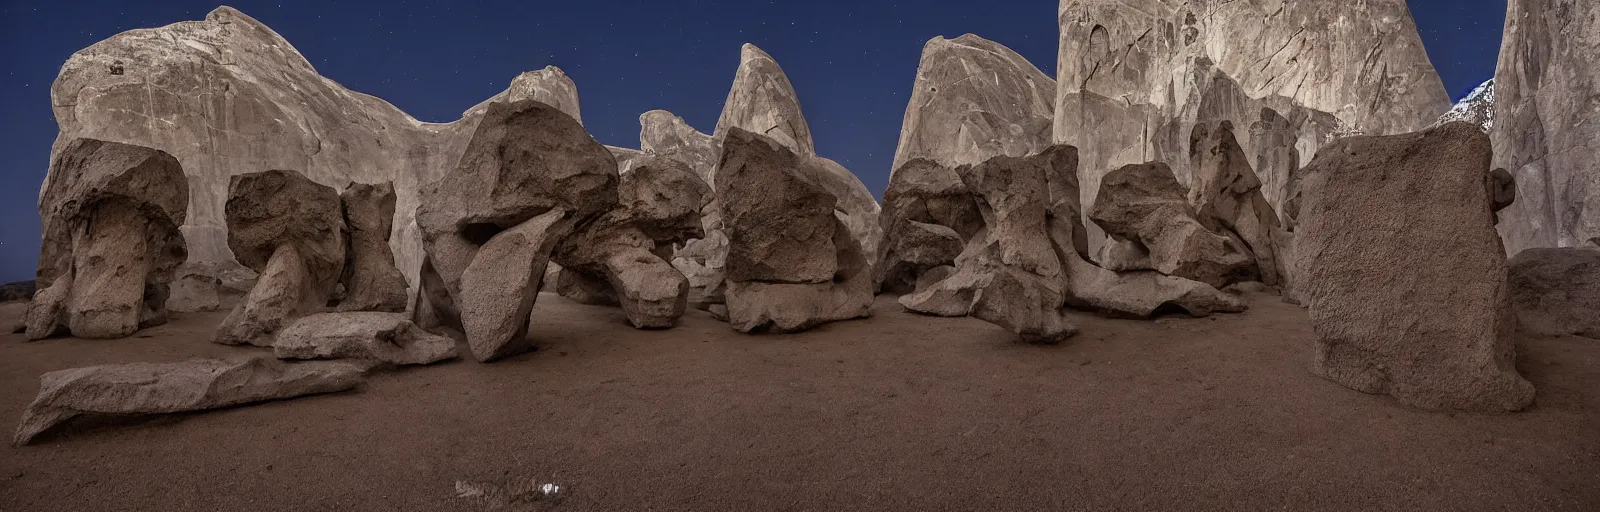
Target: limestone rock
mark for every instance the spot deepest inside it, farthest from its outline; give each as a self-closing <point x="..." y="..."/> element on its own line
<point x="194" y="292"/>
<point x="975" y="99"/>
<point x="499" y="287"/>
<point x="372" y="283"/>
<point x="284" y="292"/>
<point x="111" y="241"/>
<point x="791" y="264"/>
<point x="377" y="336"/>
<point x="763" y="101"/>
<point x="165" y="388"/>
<point x="664" y="134"/>
<point x="919" y="248"/>
<point x="549" y="86"/>
<point x="1141" y="294"/>
<point x="1556" y="291"/>
<point x="1145" y="204"/>
<point x="1546" y="95"/>
<point x="292" y="231"/>
<point x="921" y="192"/>
<point x="1405" y="276"/>
<point x="1227" y="196"/>
<point x="525" y="158"/>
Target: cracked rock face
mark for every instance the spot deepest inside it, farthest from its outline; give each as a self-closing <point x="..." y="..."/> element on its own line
<point x="762" y="101"/>
<point x="1137" y="75"/>
<point x="1227" y="197"/>
<point x="1546" y="96"/>
<point x="111" y="240"/>
<point x="166" y="388"/>
<point x="975" y="99"/>
<point x="1411" y="212"/>
<point x="1146" y="208"/>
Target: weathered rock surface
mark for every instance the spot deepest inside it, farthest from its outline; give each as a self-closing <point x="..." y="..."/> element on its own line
<point x="1546" y="94"/>
<point x="921" y="192"/>
<point x="292" y="231"/>
<point x="165" y="388"/>
<point x="366" y="335"/>
<point x="1136" y="76"/>
<point x="549" y="86"/>
<point x="791" y="263"/>
<point x="1145" y="205"/>
<point x="1227" y="198"/>
<point x="1557" y="290"/>
<point x="194" y="292"/>
<point x="525" y="159"/>
<point x="1476" y="108"/>
<point x="499" y="287"/>
<point x="371" y="281"/>
<point x="664" y="134"/>
<point x="111" y="239"/>
<point x="763" y="101"/>
<point x="1405" y="276"/>
<point x="975" y="99"/>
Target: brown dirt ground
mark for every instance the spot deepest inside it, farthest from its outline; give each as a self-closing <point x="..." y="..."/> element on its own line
<point x="898" y="412"/>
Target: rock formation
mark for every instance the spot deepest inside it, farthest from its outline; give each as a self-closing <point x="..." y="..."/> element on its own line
<point x="1227" y="196"/>
<point x="528" y="177"/>
<point x="165" y="388"/>
<point x="973" y="100"/>
<point x="549" y="86"/>
<point x="374" y="336"/>
<point x="1136" y="76"/>
<point x="791" y="263"/>
<point x="1010" y="274"/>
<point x="194" y="292"/>
<point x="372" y="283"/>
<point x="1145" y="208"/>
<point x="20" y="290"/>
<point x="763" y="101"/>
<point x="111" y="241"/>
<point x="291" y="230"/>
<point x="1546" y="96"/>
<point x="664" y="134"/>
<point x="1477" y="108"/>
<point x="1405" y="276"/>
<point x="1556" y="291"/>
<point x="619" y="258"/>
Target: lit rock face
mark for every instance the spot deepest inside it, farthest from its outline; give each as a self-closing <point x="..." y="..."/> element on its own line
<point x="111" y="240"/>
<point x="1547" y="94"/>
<point x="528" y="177"/>
<point x="1557" y="290"/>
<point x="1136" y="76"/>
<point x="973" y="100"/>
<point x="227" y="96"/>
<point x="1404" y="275"/>
<point x="166" y="388"/>
<point x="792" y="263"/>
<point x="1146" y="211"/>
<point x="366" y="335"/>
<point x="1477" y="108"/>
<point x="1227" y="198"/>
<point x="763" y="101"/>
<point x="291" y="230"/>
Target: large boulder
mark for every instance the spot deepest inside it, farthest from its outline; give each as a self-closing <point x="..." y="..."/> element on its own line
<point x="1144" y="207"/>
<point x="1226" y="195"/>
<point x="291" y="230"/>
<point x="1547" y="91"/>
<point x="666" y="135"/>
<point x="1404" y="274"/>
<point x="371" y="281"/>
<point x="166" y="388"/>
<point x="1556" y="291"/>
<point x="526" y="158"/>
<point x="1136" y="77"/>
<point x="791" y="263"/>
<point x="498" y="288"/>
<point x="111" y="241"/>
<point x="374" y="336"/>
<point x="763" y="101"/>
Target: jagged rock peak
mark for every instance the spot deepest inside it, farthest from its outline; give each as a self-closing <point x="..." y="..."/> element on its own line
<point x="763" y="101"/>
<point x="1476" y="108"/>
<point x="974" y="99"/>
<point x="550" y="86"/>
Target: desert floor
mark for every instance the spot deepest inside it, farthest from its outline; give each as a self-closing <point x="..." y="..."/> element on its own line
<point x="896" y="412"/>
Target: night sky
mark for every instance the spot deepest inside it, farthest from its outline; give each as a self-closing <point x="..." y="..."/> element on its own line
<point x="851" y="61"/>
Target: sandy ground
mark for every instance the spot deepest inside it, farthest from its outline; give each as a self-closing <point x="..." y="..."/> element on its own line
<point x="898" y="412"/>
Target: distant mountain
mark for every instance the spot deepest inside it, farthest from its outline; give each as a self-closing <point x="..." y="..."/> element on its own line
<point x="1477" y="108"/>
<point x="20" y="290"/>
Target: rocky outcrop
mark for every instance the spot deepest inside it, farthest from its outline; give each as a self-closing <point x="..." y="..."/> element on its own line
<point x="194" y="292"/>
<point x="291" y="230"/>
<point x="763" y="101"/>
<point x="372" y="283"/>
<point x="549" y="86"/>
<point x="973" y="100"/>
<point x="1476" y="108"/>
<point x="111" y="241"/>
<point x="1546" y="95"/>
<point x="530" y="175"/>
<point x="666" y="135"/>
<point x="1146" y="209"/>
<point x="791" y="263"/>
<point x="166" y="388"/>
<point x="1136" y="77"/>
<point x="372" y="336"/>
<point x="1227" y="198"/>
<point x="1404" y="274"/>
<point x="1556" y="291"/>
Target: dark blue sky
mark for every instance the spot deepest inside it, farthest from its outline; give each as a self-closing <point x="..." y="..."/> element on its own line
<point x="852" y="62"/>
